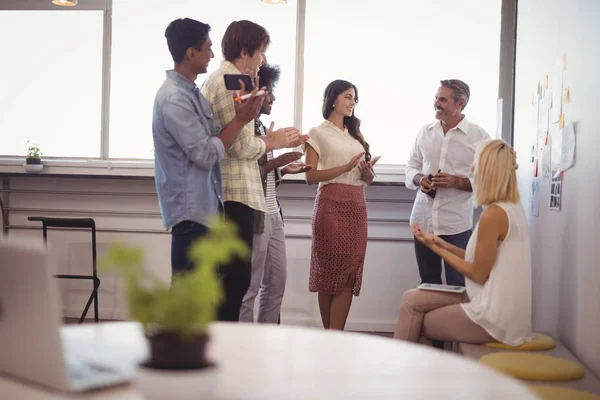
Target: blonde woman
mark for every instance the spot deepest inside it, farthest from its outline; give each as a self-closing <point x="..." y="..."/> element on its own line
<point x="496" y="264"/>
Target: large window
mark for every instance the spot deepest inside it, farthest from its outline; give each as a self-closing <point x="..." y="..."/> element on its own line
<point x="74" y="81"/>
<point x="140" y="58"/>
<point x="396" y="53"/>
<point x="51" y="82"/>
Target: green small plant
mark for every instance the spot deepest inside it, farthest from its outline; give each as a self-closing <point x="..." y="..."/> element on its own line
<point x="33" y="150"/>
<point x="190" y="303"/>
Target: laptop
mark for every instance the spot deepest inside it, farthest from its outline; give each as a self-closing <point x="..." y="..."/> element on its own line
<point x="31" y="345"/>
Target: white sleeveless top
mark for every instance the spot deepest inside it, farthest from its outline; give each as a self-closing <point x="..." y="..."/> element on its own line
<point x="502" y="305"/>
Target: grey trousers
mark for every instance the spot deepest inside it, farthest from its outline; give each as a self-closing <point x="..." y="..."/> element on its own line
<point x="269" y="273"/>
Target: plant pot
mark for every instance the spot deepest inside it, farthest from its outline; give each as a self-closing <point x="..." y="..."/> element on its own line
<point x="177" y="368"/>
<point x="33" y="161"/>
<point x="192" y="384"/>
<point x="33" y="165"/>
<point x="170" y="351"/>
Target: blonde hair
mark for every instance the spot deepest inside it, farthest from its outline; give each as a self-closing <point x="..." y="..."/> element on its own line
<point x="494" y="173"/>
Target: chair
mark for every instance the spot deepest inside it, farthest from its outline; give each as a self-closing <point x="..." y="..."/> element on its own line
<point x="79" y="223"/>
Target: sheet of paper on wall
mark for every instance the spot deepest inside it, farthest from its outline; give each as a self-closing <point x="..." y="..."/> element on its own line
<point x="567" y="159"/>
<point x="556" y="145"/>
<point x="557" y="92"/>
<point x="546" y="160"/>
<point x="555" y="190"/>
<point x="535" y="197"/>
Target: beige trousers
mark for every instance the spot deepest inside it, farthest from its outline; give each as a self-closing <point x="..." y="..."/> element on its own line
<point x="437" y="316"/>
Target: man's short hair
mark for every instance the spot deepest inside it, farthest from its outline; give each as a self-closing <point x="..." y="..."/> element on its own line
<point x="184" y="33"/>
<point x="243" y="35"/>
<point x="268" y="75"/>
<point x="460" y="89"/>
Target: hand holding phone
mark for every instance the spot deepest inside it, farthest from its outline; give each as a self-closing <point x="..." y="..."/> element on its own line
<point x="248" y="110"/>
<point x="232" y="81"/>
<point x="431" y="192"/>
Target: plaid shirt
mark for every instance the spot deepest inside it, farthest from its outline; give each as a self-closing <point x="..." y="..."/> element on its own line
<point x="239" y="168"/>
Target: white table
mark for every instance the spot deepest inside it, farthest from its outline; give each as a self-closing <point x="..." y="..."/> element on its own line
<point x="288" y="362"/>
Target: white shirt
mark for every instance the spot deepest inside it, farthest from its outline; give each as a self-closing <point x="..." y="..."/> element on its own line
<point x="502" y="306"/>
<point x="451" y="212"/>
<point x="336" y="148"/>
<point x="271" y="196"/>
<point x="271" y="204"/>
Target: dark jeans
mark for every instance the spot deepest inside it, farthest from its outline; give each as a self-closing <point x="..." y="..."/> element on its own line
<point x="430" y="264"/>
<point x="182" y="236"/>
<point x="236" y="275"/>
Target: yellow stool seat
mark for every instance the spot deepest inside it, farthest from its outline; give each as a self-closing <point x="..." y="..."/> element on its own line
<point x="559" y="393"/>
<point x="538" y="342"/>
<point x="533" y="367"/>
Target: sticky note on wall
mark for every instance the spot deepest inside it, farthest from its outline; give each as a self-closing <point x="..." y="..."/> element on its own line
<point x="561" y="121"/>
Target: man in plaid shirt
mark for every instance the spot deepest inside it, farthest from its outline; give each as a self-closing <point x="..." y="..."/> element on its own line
<point x="244" y="45"/>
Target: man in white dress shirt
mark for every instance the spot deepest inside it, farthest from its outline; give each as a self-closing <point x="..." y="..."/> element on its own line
<point x="440" y="167"/>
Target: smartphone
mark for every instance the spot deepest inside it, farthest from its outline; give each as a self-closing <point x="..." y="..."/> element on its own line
<point x="374" y="160"/>
<point x="431" y="193"/>
<point x="232" y="81"/>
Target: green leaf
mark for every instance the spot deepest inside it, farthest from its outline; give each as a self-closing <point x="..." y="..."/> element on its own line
<point x="192" y="300"/>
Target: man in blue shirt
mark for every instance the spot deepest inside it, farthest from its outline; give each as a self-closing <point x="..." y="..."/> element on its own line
<point x="188" y="143"/>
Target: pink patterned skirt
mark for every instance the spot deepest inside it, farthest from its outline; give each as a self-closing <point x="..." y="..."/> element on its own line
<point x="339" y="240"/>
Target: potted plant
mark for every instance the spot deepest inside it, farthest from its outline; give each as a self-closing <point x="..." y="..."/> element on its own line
<point x="34" y="154"/>
<point x="33" y="159"/>
<point x="175" y="318"/>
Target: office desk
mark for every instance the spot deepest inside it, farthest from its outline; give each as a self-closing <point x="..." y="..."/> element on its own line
<point x="289" y="362"/>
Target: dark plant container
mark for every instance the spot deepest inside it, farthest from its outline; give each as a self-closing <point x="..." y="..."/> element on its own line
<point x="170" y="351"/>
<point x="33" y="161"/>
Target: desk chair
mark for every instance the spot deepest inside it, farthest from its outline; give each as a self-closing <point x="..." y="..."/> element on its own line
<point x="79" y="223"/>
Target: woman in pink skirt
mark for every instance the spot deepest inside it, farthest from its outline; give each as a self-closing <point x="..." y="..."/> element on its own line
<point x="344" y="168"/>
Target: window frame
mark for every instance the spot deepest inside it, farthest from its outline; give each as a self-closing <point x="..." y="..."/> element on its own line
<point x="145" y="167"/>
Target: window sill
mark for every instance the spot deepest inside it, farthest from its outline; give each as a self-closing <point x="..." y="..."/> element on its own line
<point x="386" y="174"/>
<point x="80" y="167"/>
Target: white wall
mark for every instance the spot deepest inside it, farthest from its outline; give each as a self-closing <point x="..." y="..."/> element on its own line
<point x="566" y="272"/>
<point x="390" y="264"/>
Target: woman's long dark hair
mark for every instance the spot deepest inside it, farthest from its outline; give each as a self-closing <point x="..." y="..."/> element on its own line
<point x="332" y="91"/>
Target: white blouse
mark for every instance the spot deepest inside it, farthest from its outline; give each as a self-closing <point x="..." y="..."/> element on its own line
<point x="502" y="305"/>
<point x="336" y="148"/>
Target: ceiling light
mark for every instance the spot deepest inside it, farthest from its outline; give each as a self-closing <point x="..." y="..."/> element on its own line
<point x="66" y="3"/>
<point x="274" y="1"/>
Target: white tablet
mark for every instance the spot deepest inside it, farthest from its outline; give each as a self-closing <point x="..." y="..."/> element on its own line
<point x="441" y="288"/>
